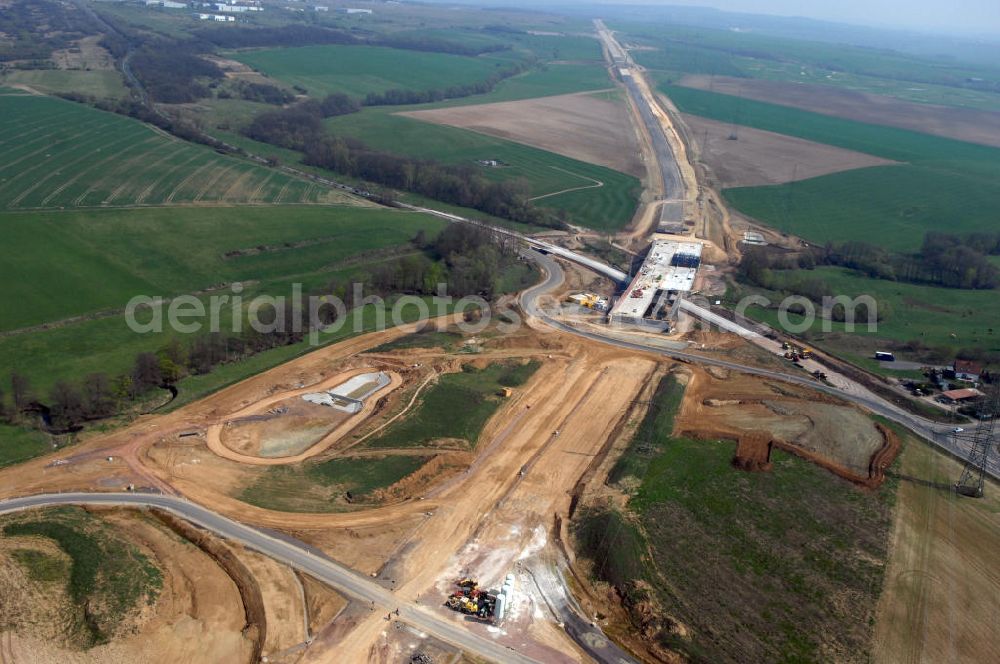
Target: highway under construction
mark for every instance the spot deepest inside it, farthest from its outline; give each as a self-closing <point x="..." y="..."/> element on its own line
<point x="476" y="559"/>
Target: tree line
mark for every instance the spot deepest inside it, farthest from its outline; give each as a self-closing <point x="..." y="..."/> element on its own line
<point x="167" y="68"/>
<point x="300" y="127"/>
<point x="400" y="97"/>
<point x="263" y="93"/>
<point x="471" y="260"/>
<point x="32" y="29"/>
<point x="944" y="259"/>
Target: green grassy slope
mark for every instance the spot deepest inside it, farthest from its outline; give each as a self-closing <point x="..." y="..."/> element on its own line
<point x="936" y="317"/>
<point x="942" y="183"/>
<point x="321" y="487"/>
<point x="358" y="70"/>
<point x="753" y="565"/>
<point x="55" y="153"/>
<point x="457" y="406"/>
<point x="66" y="263"/>
<point x="607" y="208"/>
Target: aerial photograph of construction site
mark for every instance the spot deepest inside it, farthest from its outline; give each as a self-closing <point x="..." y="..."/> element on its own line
<point x="427" y="332"/>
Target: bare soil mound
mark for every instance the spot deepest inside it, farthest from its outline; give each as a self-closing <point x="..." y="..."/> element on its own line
<point x="759" y="157"/>
<point x="288" y="428"/>
<point x="197" y="616"/>
<point x="760" y="415"/>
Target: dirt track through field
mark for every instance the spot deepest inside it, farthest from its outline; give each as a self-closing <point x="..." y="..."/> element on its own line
<point x="492" y="517"/>
<point x="963" y="124"/>
<point x="597" y="184"/>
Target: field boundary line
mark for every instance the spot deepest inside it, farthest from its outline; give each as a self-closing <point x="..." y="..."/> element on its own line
<point x="597" y="184"/>
<point x="141" y="197"/>
<point x="255" y="196"/>
<point x="281" y="194"/>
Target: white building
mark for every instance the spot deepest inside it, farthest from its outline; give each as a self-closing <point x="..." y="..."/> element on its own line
<point x="354" y="10"/>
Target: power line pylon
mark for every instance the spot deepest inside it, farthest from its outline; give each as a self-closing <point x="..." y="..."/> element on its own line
<point x="974" y="475"/>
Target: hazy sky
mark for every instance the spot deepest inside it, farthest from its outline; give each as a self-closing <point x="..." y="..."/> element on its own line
<point x="978" y="16"/>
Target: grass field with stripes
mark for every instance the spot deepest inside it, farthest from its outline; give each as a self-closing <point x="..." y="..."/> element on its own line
<point x="59" y="154"/>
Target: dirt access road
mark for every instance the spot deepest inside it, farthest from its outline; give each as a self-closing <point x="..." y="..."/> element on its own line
<point x="493" y="517"/>
<point x="213" y="433"/>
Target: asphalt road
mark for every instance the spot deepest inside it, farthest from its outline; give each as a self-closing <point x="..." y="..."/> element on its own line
<point x="936" y="433"/>
<point x="296" y="555"/>
<point x="670" y="175"/>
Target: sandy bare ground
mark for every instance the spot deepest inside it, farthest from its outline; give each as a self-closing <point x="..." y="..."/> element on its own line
<point x="829" y="432"/>
<point x="214" y="439"/>
<point x="964" y="124"/>
<point x="581" y="126"/>
<point x="198" y="616"/>
<point x="284" y="607"/>
<point x="85" y="53"/>
<point x="943" y="578"/>
<point x="506" y="518"/>
<point x="764" y="157"/>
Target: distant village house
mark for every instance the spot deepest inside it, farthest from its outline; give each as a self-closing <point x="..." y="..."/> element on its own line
<point x="967" y="370"/>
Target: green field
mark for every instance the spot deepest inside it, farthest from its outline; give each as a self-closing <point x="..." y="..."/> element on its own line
<point x="97" y="82"/>
<point x="605" y="208"/>
<point x="322" y="486"/>
<point x="545" y="80"/>
<point x="429" y="337"/>
<point x="18" y="444"/>
<point x="754" y="565"/>
<point x="107" y="578"/>
<point x="105" y="344"/>
<point x="456" y="407"/>
<point x="942" y="183"/>
<point x="55" y="154"/>
<point x="358" y="70"/>
<point x="942" y="318"/>
<point x="679" y="50"/>
<point x="66" y="263"/>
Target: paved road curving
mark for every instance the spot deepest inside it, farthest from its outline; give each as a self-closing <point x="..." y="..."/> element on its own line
<point x="293" y="553"/>
<point x="936" y="433"/>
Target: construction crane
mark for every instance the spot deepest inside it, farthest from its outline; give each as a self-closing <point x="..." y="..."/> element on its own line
<point x="981" y="443"/>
